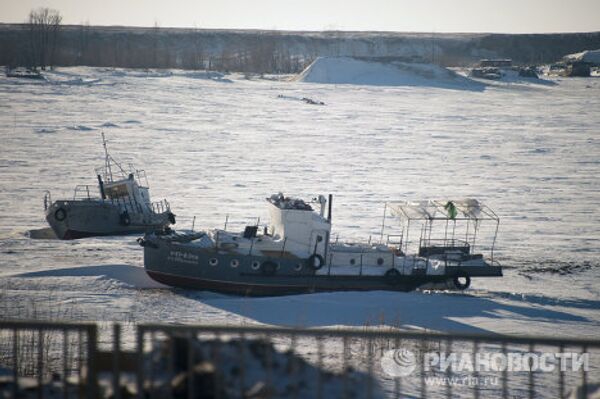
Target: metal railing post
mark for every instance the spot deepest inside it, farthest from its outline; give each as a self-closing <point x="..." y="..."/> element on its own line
<point x="190" y="365"/>
<point x="448" y="371"/>
<point x="65" y="355"/>
<point x="15" y="362"/>
<point x="92" y="378"/>
<point x="140" y="362"/>
<point x="561" y="374"/>
<point x="115" y="364"/>
<point x="505" y="374"/>
<point x="319" y="384"/>
<point x="40" y="363"/>
<point x="475" y="370"/>
<point x="531" y="382"/>
<point x="584" y="383"/>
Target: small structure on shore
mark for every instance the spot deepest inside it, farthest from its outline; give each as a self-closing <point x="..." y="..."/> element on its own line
<point x="495" y="63"/>
<point x="576" y="64"/>
<point x="496" y="69"/>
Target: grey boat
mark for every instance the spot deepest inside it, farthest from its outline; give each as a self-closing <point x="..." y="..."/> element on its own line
<point x="295" y="253"/>
<point x="123" y="205"/>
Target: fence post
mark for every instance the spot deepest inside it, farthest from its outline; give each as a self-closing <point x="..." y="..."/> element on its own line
<point x="140" y="360"/>
<point x="16" y="362"/>
<point x="92" y="378"/>
<point x="40" y="363"/>
<point x="116" y="366"/>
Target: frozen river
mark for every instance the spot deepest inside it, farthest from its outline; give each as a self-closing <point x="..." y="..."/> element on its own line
<point x="218" y="146"/>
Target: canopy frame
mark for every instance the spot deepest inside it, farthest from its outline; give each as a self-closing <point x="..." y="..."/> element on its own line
<point x="427" y="213"/>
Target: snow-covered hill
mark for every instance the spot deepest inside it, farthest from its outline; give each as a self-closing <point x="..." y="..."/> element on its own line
<point x="589" y="56"/>
<point x="348" y="70"/>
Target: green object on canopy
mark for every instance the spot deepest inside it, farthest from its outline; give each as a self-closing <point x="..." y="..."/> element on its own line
<point x="451" y="208"/>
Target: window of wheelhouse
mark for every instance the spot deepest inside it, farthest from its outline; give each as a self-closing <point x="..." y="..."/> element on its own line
<point x="117" y="191"/>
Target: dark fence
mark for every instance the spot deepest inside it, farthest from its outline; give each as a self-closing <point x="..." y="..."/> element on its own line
<point x="48" y="356"/>
<point x="184" y="361"/>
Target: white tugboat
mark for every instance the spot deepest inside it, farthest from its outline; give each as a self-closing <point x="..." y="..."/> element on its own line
<point x="122" y="207"/>
<point x="295" y="252"/>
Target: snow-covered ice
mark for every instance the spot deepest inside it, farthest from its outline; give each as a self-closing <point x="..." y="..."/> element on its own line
<point x="530" y="152"/>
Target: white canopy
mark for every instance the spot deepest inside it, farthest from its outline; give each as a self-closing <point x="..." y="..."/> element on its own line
<point x="461" y="209"/>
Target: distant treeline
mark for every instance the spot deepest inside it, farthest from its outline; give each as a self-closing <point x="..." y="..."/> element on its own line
<point x="255" y="51"/>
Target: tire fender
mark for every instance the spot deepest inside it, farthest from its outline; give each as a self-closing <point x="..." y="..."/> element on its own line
<point x="311" y="261"/>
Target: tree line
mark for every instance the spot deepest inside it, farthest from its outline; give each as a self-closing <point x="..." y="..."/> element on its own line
<point x="44" y="42"/>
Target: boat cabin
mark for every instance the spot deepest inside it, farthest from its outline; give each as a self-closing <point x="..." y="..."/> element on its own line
<point x="295" y="230"/>
<point x="305" y="231"/>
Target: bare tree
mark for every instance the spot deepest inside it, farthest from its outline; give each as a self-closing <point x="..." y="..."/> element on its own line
<point x="44" y="26"/>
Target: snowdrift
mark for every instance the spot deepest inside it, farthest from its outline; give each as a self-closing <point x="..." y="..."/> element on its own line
<point x="348" y="70"/>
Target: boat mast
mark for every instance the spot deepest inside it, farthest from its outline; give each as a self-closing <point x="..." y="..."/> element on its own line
<point x="108" y="170"/>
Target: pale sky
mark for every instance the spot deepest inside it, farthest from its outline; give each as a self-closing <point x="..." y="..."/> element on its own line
<point x="510" y="16"/>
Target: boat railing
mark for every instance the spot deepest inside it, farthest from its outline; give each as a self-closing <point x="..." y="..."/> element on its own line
<point x="160" y="206"/>
<point x="109" y="175"/>
<point x="428" y="246"/>
<point x="361" y="249"/>
<point x="82" y="192"/>
<point x="395" y="240"/>
<point x="132" y="206"/>
<point x="140" y="176"/>
<point x="126" y="204"/>
<point x="444" y="242"/>
<point x="452" y="253"/>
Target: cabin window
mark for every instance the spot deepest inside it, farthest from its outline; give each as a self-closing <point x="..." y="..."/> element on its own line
<point x="380" y="261"/>
<point x="213" y="261"/>
<point x="298" y="267"/>
<point x="116" y="191"/>
<point x="255" y="265"/>
<point x="352" y="261"/>
<point x="235" y="263"/>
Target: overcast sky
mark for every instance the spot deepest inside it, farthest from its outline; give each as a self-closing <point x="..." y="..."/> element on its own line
<point x="386" y="15"/>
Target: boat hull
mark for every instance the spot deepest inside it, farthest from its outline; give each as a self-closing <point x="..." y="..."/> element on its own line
<point x="289" y="285"/>
<point x="79" y="219"/>
<point x="186" y="266"/>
